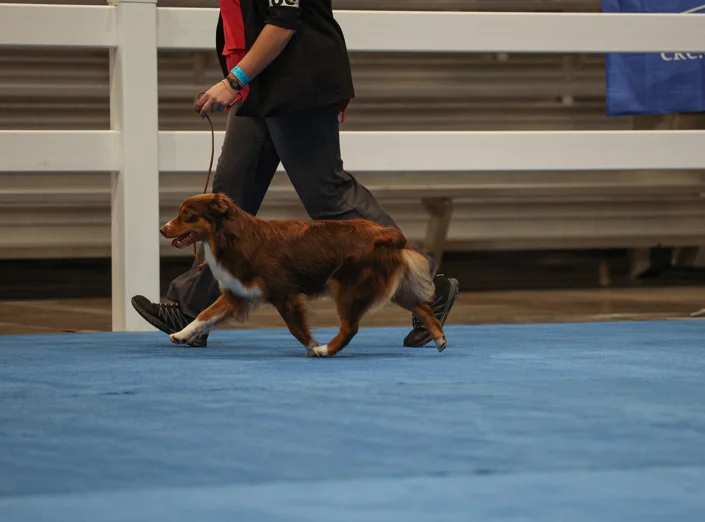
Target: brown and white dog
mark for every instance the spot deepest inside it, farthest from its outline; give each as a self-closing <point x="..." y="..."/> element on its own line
<point x="359" y="263"/>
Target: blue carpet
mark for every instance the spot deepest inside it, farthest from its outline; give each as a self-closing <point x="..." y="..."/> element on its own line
<point x="543" y="422"/>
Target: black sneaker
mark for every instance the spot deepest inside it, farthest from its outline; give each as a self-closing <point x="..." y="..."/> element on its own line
<point x="168" y="317"/>
<point x="446" y="292"/>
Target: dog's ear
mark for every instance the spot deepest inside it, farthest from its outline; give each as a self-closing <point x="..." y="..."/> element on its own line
<point x="219" y="205"/>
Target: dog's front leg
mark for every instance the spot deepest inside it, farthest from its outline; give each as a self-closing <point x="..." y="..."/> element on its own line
<point x="220" y="310"/>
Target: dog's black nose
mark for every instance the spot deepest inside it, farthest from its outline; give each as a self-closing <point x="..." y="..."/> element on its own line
<point x="163" y="230"/>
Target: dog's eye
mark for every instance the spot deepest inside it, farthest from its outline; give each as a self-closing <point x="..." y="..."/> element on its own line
<point x="188" y="217"/>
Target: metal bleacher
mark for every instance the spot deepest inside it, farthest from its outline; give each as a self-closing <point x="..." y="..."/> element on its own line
<point x="47" y="215"/>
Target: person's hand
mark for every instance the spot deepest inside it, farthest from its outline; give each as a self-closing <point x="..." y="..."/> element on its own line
<point x="216" y="99"/>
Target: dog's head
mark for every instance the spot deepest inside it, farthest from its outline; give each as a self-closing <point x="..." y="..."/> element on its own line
<point x="198" y="219"/>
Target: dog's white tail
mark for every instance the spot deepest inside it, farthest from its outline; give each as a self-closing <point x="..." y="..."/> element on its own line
<point x="417" y="281"/>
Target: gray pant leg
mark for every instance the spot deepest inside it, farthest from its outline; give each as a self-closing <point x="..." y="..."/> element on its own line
<point x="247" y="163"/>
<point x="308" y="143"/>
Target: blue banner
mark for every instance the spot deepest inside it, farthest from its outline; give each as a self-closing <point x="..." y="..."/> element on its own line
<point x="650" y="83"/>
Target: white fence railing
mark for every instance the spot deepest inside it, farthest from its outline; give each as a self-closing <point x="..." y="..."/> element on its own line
<point x="134" y="150"/>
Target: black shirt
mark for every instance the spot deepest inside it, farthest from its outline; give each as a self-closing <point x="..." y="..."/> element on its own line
<point x="313" y="70"/>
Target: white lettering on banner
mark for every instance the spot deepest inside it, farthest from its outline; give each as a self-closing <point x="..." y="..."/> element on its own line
<point x="670" y="57"/>
<point x="283" y="3"/>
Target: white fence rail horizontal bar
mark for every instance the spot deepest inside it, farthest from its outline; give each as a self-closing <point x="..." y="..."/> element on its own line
<point x="522" y="32"/>
<point x="59" y="151"/>
<point x="482" y="151"/>
<point x="187" y="151"/>
<point x="181" y="28"/>
<point x="413" y="193"/>
<point x="57" y="26"/>
<point x="193" y="29"/>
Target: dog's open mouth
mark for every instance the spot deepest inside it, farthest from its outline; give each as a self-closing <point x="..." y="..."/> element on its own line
<point x="184" y="240"/>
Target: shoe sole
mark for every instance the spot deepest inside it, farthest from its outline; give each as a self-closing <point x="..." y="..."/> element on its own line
<point x="444" y="316"/>
<point x="162" y="326"/>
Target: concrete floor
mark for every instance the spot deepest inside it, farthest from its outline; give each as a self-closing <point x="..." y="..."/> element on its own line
<point x="489" y="307"/>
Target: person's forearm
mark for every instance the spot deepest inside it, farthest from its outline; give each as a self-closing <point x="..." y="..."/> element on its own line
<point x="269" y="44"/>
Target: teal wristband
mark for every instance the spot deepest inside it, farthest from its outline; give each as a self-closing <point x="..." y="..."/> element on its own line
<point x="240" y="75"/>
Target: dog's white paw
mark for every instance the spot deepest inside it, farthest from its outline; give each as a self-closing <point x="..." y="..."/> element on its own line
<point x="189" y="333"/>
<point x="318" y="351"/>
<point x="441" y="343"/>
<point x="179" y="338"/>
<point x="185" y="336"/>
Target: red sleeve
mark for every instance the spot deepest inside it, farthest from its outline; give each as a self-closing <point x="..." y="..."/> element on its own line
<point x="233" y="26"/>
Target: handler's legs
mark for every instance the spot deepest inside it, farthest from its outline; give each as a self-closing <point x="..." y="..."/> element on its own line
<point x="307" y="143"/>
<point x="309" y="147"/>
<point x="247" y="163"/>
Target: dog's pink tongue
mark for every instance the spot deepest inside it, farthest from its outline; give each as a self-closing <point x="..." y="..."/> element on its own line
<point x="175" y="243"/>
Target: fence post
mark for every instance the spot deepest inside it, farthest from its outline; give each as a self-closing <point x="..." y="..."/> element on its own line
<point x="135" y="188"/>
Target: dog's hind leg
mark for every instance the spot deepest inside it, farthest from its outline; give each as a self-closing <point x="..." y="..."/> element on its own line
<point x="223" y="308"/>
<point x="352" y="302"/>
<point x="293" y="311"/>
<point x="416" y="292"/>
<point x="423" y="311"/>
<point x="348" y="330"/>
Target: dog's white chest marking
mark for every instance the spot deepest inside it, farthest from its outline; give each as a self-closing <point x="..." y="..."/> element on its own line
<point x="227" y="281"/>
